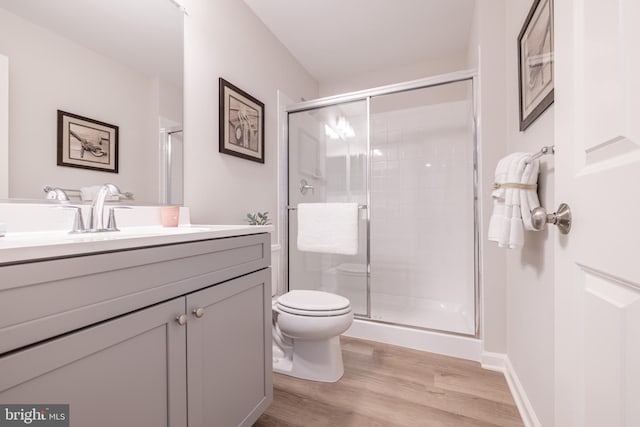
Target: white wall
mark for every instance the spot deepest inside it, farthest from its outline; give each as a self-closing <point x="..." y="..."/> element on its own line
<point x="517" y="284"/>
<point x="225" y="39"/>
<point x="394" y="74"/>
<point x="49" y="73"/>
<point x="530" y="270"/>
<point x="486" y="54"/>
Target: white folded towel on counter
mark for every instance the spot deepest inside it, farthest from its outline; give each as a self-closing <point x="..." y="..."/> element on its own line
<point x="328" y="228"/>
<point x="514" y="196"/>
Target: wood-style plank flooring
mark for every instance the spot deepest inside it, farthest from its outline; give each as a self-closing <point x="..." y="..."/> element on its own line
<point x="385" y="385"/>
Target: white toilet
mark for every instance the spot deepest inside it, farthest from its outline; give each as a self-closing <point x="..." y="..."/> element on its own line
<point x="306" y="329"/>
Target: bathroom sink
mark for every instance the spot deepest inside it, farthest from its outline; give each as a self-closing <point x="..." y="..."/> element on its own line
<point x="37" y="231"/>
<point x="62" y="237"/>
<point x="29" y="246"/>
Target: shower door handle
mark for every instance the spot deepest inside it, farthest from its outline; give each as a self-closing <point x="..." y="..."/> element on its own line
<point x="304" y="187"/>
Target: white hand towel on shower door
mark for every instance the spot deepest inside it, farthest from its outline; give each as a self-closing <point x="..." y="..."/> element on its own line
<point x="330" y="228"/>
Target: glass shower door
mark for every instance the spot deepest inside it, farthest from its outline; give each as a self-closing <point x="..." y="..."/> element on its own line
<point x="171" y="167"/>
<point x="422" y="201"/>
<point x="328" y="163"/>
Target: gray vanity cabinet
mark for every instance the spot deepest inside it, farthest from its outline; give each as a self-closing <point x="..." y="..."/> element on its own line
<point x="229" y="372"/>
<point x="129" y="371"/>
<point x="174" y="335"/>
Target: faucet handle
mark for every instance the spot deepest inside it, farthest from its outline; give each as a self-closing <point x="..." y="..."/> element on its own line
<point x="78" y="222"/>
<point x="57" y="194"/>
<point x="111" y="222"/>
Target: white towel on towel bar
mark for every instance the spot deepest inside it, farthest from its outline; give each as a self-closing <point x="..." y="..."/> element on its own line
<point x="512" y="206"/>
<point x="330" y="228"/>
<point x="499" y="225"/>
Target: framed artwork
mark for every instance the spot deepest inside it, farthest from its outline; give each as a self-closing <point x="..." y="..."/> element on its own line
<point x="241" y="123"/>
<point x="535" y="62"/>
<point x="86" y="143"/>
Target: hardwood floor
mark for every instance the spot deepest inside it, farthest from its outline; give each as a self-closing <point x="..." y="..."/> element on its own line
<point x="385" y="385"/>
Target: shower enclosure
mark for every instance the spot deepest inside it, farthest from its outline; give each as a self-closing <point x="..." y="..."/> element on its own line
<point x="406" y="154"/>
<point x="171" y="166"/>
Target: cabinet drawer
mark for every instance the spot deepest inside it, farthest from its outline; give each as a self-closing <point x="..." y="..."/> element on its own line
<point x="43" y="299"/>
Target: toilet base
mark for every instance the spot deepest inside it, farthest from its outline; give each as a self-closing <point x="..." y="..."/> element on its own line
<point x="316" y="360"/>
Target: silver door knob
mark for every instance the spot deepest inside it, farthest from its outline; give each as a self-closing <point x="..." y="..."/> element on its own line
<point x="198" y="312"/>
<point x="182" y="319"/>
<point x="562" y="218"/>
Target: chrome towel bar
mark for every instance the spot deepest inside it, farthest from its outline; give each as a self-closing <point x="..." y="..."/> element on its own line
<point x="295" y="208"/>
<point x="547" y="149"/>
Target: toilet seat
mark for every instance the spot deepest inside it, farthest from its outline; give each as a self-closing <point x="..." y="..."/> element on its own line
<point x="313" y="303"/>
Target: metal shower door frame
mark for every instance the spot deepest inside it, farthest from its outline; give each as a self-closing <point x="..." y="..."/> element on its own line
<point x="366" y="95"/>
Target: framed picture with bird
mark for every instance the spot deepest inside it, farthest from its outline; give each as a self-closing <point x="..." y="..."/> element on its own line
<point x="86" y="143"/>
<point x="241" y="123"/>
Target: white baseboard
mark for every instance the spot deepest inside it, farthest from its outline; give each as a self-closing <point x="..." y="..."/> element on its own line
<point x="500" y="362"/>
<point x="493" y="361"/>
<point x="434" y="342"/>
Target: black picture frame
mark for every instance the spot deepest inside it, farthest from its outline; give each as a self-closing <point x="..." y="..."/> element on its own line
<point x="535" y="63"/>
<point x="241" y="123"/>
<point x="87" y="143"/>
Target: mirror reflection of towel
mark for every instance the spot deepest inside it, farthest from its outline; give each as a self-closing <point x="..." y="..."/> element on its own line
<point x="87" y="194"/>
<point x="330" y="228"/>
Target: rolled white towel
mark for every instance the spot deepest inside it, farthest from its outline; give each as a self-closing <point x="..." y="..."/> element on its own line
<point x="499" y="223"/>
<point x="529" y="198"/>
<point x="516" y="231"/>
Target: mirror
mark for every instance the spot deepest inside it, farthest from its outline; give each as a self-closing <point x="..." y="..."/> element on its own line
<point x="114" y="61"/>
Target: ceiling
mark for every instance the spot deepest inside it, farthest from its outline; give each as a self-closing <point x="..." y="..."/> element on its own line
<point x="333" y="39"/>
<point x="144" y="34"/>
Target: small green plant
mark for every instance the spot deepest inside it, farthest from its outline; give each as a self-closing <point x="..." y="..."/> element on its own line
<point x="258" y="218"/>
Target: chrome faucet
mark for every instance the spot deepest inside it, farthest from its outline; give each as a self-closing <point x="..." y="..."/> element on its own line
<point x="96" y="215"/>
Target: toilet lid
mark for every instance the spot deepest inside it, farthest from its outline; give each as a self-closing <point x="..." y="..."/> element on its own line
<point x="313" y="303"/>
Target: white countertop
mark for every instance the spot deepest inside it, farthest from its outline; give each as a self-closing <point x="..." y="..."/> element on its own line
<point x="16" y="247"/>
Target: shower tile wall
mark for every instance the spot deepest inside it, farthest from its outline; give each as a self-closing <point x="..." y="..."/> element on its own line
<point x="422" y="227"/>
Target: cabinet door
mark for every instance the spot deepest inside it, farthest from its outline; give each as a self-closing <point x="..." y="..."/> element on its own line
<point x="129" y="371"/>
<point x="229" y="352"/>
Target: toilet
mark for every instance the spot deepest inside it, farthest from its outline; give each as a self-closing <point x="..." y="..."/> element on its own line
<point x="306" y="329"/>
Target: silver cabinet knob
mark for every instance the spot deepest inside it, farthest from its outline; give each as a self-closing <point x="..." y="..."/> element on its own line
<point x="182" y="319"/>
<point x="199" y="312"/>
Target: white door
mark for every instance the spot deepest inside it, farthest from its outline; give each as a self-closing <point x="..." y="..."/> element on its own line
<point x="597" y="282"/>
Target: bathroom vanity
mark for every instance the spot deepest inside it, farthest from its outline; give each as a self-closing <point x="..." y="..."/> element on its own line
<point x="145" y="329"/>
